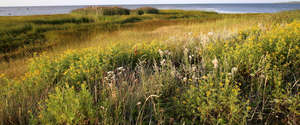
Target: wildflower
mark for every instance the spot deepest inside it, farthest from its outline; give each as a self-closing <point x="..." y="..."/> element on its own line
<point x="248" y="108"/>
<point x="110" y="72"/>
<point x="208" y="93"/>
<point x="204" y="77"/>
<point x="221" y="84"/>
<point x="184" y="79"/>
<point x="194" y="68"/>
<point x="161" y="53"/>
<point x="1" y="75"/>
<point x="194" y="77"/>
<point x="210" y="33"/>
<point x="234" y="70"/>
<point x="166" y="52"/>
<point x="120" y="68"/>
<point x="162" y="62"/>
<point x="102" y="107"/>
<point x="139" y="103"/>
<point x="191" y="57"/>
<point x="215" y="62"/>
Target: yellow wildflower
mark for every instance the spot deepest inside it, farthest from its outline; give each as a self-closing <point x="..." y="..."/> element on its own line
<point x="208" y="93"/>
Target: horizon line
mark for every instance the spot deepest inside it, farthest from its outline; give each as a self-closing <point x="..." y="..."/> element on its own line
<point x="145" y="4"/>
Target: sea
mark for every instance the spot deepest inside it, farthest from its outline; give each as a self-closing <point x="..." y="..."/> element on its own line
<point x="220" y="8"/>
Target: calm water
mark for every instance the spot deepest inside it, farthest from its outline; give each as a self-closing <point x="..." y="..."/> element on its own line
<point x="220" y="8"/>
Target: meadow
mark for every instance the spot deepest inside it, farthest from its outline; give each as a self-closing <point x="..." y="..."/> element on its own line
<point x="170" y="67"/>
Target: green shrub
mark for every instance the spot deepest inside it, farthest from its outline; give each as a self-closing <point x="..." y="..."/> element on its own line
<point x="102" y="11"/>
<point x="63" y="21"/>
<point x="209" y="102"/>
<point x="148" y="10"/>
<point x="66" y="106"/>
<point x="137" y="12"/>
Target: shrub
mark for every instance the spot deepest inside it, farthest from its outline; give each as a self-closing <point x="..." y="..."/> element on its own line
<point x="209" y="102"/>
<point x="63" y="21"/>
<point x="102" y="11"/>
<point x="138" y="12"/>
<point x="148" y="10"/>
<point x="66" y="106"/>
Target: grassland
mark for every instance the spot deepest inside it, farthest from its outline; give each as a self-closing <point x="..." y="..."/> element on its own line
<point x="175" y="67"/>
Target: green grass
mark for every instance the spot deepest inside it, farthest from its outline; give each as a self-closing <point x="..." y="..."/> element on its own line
<point x="206" y="68"/>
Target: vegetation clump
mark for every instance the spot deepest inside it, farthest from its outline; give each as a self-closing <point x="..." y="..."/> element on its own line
<point x="105" y="11"/>
<point x="138" y="12"/>
<point x="148" y="10"/>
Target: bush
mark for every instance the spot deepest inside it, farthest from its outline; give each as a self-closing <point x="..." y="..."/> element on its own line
<point x="148" y="10"/>
<point x="210" y="102"/>
<point x="102" y="11"/>
<point x="138" y="12"/>
<point x="66" y="106"/>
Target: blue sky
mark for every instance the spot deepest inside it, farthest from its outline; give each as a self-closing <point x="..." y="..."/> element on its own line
<point x="105" y="2"/>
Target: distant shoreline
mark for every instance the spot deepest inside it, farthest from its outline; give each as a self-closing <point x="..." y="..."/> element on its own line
<point x="232" y="8"/>
<point x="155" y="4"/>
<point x="291" y="2"/>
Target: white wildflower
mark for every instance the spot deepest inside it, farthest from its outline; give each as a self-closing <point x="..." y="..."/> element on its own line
<point x="167" y="52"/>
<point x="210" y="33"/>
<point x="110" y="72"/>
<point x="215" y="62"/>
<point x="120" y="68"/>
<point x="194" y="68"/>
<point x="184" y="79"/>
<point x="162" y="62"/>
<point x="234" y="70"/>
<point x="161" y="53"/>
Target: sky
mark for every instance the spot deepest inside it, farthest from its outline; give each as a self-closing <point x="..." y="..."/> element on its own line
<point x="109" y="2"/>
